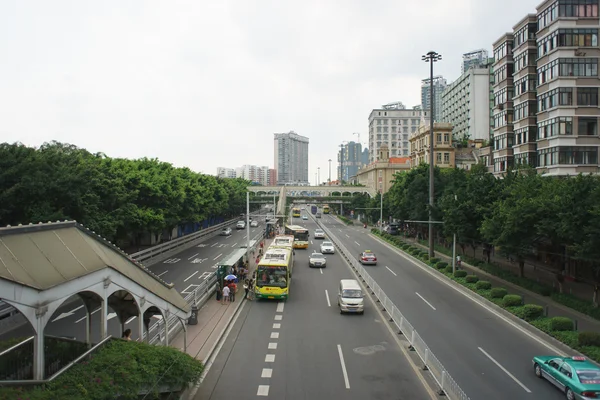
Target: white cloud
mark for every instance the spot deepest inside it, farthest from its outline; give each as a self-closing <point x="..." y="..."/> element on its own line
<point x="206" y="84"/>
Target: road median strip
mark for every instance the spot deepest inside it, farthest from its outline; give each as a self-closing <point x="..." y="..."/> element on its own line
<point x="560" y="328"/>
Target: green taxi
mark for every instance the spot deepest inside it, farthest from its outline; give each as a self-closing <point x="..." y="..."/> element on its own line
<point x="577" y="377"/>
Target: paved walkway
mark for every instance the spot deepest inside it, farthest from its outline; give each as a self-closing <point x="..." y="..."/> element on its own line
<point x="554" y="309"/>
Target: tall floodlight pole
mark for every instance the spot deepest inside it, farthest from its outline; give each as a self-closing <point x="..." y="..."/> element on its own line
<point x="318" y="176"/>
<point x="431" y="57"/>
<point x="329" y="180"/>
<point x="248" y="227"/>
<point x="316" y="179"/>
<point x="381" y="210"/>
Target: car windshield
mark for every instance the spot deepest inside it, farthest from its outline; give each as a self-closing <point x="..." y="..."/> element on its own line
<point x="352" y="293"/>
<point x="317" y="255"/>
<point x="369" y="254"/>
<point x="318" y="231"/>
<point x="589" y="377"/>
<point x="271" y="276"/>
<point x="327" y="244"/>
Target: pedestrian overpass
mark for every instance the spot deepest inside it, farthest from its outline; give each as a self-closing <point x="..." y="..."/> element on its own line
<point x="44" y="266"/>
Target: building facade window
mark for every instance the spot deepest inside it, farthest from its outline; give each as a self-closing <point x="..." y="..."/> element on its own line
<point x="567" y="155"/>
<point x="525" y="109"/>
<point x="524" y="34"/>
<point x="578" y="8"/>
<point x="527" y="158"/>
<point x="501" y="164"/>
<point x="524" y="135"/>
<point x="587" y="126"/>
<point x="587" y="96"/>
<point x="578" y="66"/>
<point x="567" y="38"/>
<point x="503" y="141"/>
<point x="503" y="50"/>
<point x="503" y="118"/>
<point x="524" y="85"/>
<point x="554" y="98"/>
<point x="549" y="15"/>
<point x="524" y="60"/>
<point x="503" y="95"/>
<point x="555" y="127"/>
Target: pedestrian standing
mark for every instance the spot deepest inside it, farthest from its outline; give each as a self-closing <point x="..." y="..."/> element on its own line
<point x="246" y="288"/>
<point x="225" y="297"/>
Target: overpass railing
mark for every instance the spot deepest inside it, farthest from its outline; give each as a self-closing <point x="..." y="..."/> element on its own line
<point x="447" y="385"/>
<point x="187" y="240"/>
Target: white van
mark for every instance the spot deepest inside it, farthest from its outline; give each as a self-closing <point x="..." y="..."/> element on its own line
<point x="350" y="297"/>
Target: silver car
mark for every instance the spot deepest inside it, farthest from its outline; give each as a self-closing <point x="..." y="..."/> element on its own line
<point x="327" y="248"/>
<point x="226" y="232"/>
<point x="317" y="260"/>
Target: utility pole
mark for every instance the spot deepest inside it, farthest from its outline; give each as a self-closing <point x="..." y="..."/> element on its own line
<point x="329" y="180"/>
<point x="318" y="176"/>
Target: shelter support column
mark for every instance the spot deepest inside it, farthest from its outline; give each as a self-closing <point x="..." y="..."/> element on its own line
<point x="38" y="344"/>
<point x="141" y="327"/>
<point x="166" y="321"/>
<point x="103" y="319"/>
<point x="88" y="327"/>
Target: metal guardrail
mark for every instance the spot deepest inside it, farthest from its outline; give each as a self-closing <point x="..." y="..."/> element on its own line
<point x="198" y="296"/>
<point x="157" y="250"/>
<point x="447" y="385"/>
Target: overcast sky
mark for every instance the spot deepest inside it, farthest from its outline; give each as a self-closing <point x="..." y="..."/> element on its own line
<point x="204" y="83"/>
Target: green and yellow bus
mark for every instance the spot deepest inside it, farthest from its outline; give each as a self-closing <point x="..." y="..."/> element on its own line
<point x="300" y="236"/>
<point x="296" y="212"/>
<point x="326" y="209"/>
<point x="274" y="273"/>
<point x="283" y="241"/>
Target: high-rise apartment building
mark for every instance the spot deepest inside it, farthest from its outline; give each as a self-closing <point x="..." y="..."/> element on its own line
<point x="291" y="158"/>
<point x="253" y="173"/>
<point x="350" y="160"/>
<point x="223" y="172"/>
<point x="524" y="96"/>
<point x="272" y="177"/>
<point x="567" y="87"/>
<point x="466" y="104"/>
<point x="392" y="125"/>
<point x="439" y="85"/>
<point x="474" y="59"/>
<point x="503" y="112"/>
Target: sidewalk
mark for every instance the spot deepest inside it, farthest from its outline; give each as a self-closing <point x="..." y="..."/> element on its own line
<point x="554" y="309"/>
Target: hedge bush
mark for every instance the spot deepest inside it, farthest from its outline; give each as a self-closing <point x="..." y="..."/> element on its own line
<point x="483" y="285"/>
<point x="119" y="367"/>
<point x="441" y="265"/>
<point x="460" y="273"/>
<point x="588" y="339"/>
<point x="512" y="300"/>
<point x="561" y="324"/>
<point x="435" y="260"/>
<point x="472" y="278"/>
<point x="532" y="311"/>
<point x="498" y="293"/>
<point x="448" y="269"/>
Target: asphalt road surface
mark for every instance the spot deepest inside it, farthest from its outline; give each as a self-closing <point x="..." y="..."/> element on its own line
<point x="185" y="270"/>
<point x="488" y="357"/>
<point x="305" y="349"/>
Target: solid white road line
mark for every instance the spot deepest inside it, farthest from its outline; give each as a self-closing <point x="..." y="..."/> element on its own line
<point x="321" y="271"/>
<point x="428" y="303"/>
<point x="270" y="358"/>
<point x="346" y="381"/>
<point x="194" y="256"/>
<point x="162" y="273"/>
<point x="272" y="346"/>
<point x="266" y="373"/>
<point x="327" y="297"/>
<point x="263" y="390"/>
<point x="233" y="245"/>
<point x="274" y="335"/>
<point x="215" y="259"/>
<point x="505" y="370"/>
<point x="357" y="243"/>
<point x="278" y="317"/>
<point x="391" y="271"/>
<point x="190" y="277"/>
<point x="276" y="326"/>
<point x="311" y="242"/>
<point x="280" y="307"/>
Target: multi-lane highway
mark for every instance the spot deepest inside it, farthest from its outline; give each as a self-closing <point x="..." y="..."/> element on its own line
<point x="487" y="356"/>
<point x="186" y="270"/>
<point x="305" y="349"/>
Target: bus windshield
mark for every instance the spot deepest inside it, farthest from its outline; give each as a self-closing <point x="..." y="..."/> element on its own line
<point x="301" y="236"/>
<point x="271" y="276"/>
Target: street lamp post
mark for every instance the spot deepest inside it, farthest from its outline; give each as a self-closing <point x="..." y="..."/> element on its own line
<point x="431" y="57"/>
<point x="329" y="180"/>
<point x="454" y="247"/>
<point x="381" y="211"/>
<point x="316" y="182"/>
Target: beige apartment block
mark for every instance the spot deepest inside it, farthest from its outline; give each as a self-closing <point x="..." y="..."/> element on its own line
<point x="525" y="94"/>
<point x="444" y="152"/>
<point x="568" y="85"/>
<point x="503" y="112"/>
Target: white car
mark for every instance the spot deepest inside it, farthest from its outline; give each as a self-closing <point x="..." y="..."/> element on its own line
<point x="327" y="248"/>
<point x="319" y="234"/>
<point x="254" y="224"/>
<point x="240" y="225"/>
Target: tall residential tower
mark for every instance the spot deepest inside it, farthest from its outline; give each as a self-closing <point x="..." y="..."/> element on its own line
<point x="291" y="159"/>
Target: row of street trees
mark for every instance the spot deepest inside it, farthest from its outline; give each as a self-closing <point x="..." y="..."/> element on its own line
<point x="120" y="199"/>
<point x="523" y="215"/>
